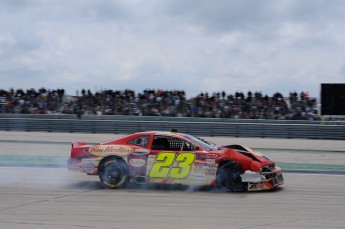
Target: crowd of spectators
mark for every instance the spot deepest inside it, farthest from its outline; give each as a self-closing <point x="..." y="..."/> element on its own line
<point x="31" y="101"/>
<point x="296" y="106"/>
<point x="255" y="106"/>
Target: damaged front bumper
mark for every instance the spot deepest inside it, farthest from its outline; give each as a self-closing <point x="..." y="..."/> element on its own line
<point x="265" y="180"/>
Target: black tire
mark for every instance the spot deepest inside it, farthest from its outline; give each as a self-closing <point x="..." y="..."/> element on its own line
<point x="113" y="173"/>
<point x="229" y="177"/>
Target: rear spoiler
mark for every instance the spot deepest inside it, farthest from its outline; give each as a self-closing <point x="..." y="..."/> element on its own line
<point x="76" y="144"/>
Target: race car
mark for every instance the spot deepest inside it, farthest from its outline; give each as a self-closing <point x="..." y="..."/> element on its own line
<point x="155" y="157"/>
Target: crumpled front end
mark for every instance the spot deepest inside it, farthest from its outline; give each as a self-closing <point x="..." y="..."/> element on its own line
<point x="269" y="177"/>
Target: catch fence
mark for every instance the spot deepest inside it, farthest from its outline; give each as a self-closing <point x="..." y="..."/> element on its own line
<point x="195" y="126"/>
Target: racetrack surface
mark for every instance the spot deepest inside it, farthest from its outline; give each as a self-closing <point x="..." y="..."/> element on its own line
<point x="57" y="198"/>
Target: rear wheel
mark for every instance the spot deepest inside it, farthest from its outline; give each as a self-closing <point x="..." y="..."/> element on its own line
<point x="113" y="173"/>
<point x="229" y="177"/>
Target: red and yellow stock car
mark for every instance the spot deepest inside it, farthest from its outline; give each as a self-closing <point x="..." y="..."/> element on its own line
<point x="175" y="158"/>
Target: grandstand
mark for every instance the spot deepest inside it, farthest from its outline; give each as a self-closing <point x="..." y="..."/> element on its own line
<point x="161" y="103"/>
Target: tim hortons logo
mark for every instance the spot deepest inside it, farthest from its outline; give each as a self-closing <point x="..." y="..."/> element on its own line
<point x="137" y="162"/>
<point x="105" y="149"/>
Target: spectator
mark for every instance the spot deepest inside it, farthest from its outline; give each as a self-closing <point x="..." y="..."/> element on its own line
<point x="161" y="103"/>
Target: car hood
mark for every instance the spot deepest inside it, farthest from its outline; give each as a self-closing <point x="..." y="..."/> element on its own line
<point x="249" y="153"/>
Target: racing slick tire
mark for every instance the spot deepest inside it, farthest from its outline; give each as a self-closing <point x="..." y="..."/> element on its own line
<point x="113" y="173"/>
<point x="228" y="177"/>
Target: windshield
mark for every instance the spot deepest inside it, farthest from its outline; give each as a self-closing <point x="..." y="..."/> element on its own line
<point x="204" y="144"/>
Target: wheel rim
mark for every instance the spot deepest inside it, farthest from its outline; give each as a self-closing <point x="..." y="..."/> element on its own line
<point x="231" y="177"/>
<point x="113" y="174"/>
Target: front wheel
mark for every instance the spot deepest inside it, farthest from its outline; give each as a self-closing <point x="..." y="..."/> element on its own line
<point x="229" y="177"/>
<point x="114" y="173"/>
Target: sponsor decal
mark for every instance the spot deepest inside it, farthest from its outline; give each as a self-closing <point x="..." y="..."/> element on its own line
<point x="200" y="169"/>
<point x="100" y="150"/>
<point x="255" y="186"/>
<point x="199" y="177"/>
<point x="200" y="156"/>
<point x="211" y="171"/>
<point x="88" y="165"/>
<point x="210" y="161"/>
<point x="212" y="156"/>
<point x="135" y="162"/>
<point x="141" y="152"/>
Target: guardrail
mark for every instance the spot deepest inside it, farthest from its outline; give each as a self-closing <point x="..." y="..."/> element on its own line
<point x="206" y="127"/>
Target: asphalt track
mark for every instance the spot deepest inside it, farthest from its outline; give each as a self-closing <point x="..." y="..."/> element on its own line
<point x="33" y="197"/>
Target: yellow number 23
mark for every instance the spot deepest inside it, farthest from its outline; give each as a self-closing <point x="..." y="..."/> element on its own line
<point x="163" y="165"/>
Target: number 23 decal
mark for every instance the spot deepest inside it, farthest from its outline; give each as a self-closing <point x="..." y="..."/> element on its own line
<point x="162" y="166"/>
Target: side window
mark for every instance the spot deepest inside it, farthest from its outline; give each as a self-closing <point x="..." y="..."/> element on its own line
<point x="160" y="143"/>
<point x="187" y="146"/>
<point x="171" y="143"/>
<point x="142" y="141"/>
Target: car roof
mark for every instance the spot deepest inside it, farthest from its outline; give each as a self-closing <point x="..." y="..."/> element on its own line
<point x="163" y="133"/>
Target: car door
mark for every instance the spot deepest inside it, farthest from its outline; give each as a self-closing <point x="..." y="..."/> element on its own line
<point x="171" y="160"/>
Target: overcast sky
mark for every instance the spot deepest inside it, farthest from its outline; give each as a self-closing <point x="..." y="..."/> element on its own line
<point x="192" y="45"/>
